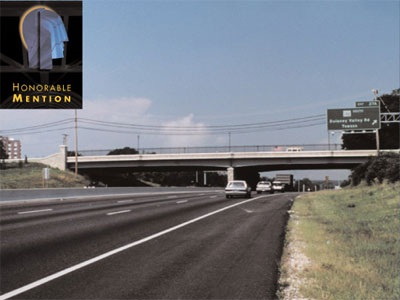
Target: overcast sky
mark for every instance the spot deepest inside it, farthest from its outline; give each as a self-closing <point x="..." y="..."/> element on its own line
<point x="222" y="62"/>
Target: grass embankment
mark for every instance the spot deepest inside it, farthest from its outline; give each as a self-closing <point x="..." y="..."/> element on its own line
<point x="30" y="175"/>
<point x="351" y="238"/>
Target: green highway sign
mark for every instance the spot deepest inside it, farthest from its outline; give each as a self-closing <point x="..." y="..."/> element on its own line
<point x="367" y="104"/>
<point x="354" y="118"/>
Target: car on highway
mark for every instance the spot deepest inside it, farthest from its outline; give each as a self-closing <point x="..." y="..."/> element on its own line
<point x="264" y="186"/>
<point x="294" y="149"/>
<point x="237" y="188"/>
<point x="278" y="186"/>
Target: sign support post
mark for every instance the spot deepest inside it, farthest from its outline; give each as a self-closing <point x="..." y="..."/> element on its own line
<point x="377" y="130"/>
<point x="377" y="141"/>
<point x="329" y="141"/>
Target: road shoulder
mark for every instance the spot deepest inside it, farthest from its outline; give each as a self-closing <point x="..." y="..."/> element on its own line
<point x="293" y="261"/>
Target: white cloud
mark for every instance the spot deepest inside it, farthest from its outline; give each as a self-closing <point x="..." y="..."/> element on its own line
<point x="133" y="110"/>
<point x="199" y="130"/>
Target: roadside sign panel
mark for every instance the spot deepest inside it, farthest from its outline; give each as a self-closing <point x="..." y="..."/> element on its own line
<point x="354" y="118"/>
<point x="367" y="104"/>
<point x="46" y="173"/>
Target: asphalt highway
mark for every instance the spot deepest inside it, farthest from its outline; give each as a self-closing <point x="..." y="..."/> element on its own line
<point x="196" y="245"/>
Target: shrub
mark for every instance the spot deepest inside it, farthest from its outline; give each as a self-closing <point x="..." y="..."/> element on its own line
<point x="384" y="166"/>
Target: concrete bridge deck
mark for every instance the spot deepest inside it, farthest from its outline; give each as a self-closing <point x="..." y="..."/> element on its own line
<point x="239" y="165"/>
<point x="262" y="161"/>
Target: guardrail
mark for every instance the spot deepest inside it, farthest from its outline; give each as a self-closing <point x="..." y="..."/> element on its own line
<point x="222" y="149"/>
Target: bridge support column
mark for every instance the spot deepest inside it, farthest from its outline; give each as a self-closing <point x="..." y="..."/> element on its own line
<point x="251" y="176"/>
<point x="231" y="174"/>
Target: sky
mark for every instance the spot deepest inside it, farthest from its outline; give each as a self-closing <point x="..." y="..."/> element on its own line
<point x="202" y="63"/>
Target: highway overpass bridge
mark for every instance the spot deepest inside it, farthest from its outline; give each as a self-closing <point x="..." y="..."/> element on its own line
<point x="239" y="165"/>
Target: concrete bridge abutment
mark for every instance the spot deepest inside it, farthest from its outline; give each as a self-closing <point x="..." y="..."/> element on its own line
<point x="57" y="160"/>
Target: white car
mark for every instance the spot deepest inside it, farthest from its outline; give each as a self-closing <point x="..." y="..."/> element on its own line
<point x="294" y="149"/>
<point x="264" y="186"/>
<point x="237" y="188"/>
<point x="278" y="186"/>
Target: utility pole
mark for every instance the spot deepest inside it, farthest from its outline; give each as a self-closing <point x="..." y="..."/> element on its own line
<point x="329" y="141"/>
<point x="138" y="143"/>
<point x="229" y="141"/>
<point x="333" y="142"/>
<point x="65" y="139"/>
<point x="76" y="142"/>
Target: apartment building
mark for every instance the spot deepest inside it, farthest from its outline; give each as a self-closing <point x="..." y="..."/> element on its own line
<point x="12" y="147"/>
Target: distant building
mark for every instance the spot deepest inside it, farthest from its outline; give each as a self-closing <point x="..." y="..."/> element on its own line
<point x="12" y="147"/>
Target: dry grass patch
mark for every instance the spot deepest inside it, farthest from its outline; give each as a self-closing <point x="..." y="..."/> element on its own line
<point x="30" y="175"/>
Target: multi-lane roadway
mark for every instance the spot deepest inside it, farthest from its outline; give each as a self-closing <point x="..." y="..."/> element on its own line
<point x="196" y="245"/>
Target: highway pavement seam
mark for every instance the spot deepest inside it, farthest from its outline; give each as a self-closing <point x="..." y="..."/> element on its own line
<point x="34" y="211"/>
<point x="98" y="197"/>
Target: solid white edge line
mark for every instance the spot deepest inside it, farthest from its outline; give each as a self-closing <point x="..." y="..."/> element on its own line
<point x="182" y="201"/>
<point x="34" y="211"/>
<point x="115" y="251"/>
<point x="118" y="212"/>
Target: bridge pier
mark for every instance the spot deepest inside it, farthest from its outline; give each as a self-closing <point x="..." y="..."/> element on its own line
<point x="231" y="174"/>
<point x="251" y="176"/>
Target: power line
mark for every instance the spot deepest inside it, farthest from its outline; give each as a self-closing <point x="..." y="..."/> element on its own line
<point x="107" y="126"/>
<point x="43" y="131"/>
<point x="202" y="132"/>
<point x="205" y="130"/>
<point x="35" y="127"/>
<point x="141" y="126"/>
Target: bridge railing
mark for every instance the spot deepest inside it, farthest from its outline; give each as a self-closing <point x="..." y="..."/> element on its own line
<point x="222" y="149"/>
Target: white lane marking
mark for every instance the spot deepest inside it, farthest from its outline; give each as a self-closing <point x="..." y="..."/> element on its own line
<point x="123" y="201"/>
<point x="115" y="251"/>
<point x="34" y="211"/>
<point x="118" y="212"/>
<point x="212" y="197"/>
<point x="182" y="201"/>
<point x="171" y="197"/>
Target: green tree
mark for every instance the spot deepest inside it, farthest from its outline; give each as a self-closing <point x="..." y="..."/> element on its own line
<point x="307" y="182"/>
<point x="388" y="134"/>
<point x="377" y="169"/>
<point x="72" y="153"/>
<point x="125" y="150"/>
<point x="3" y="153"/>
